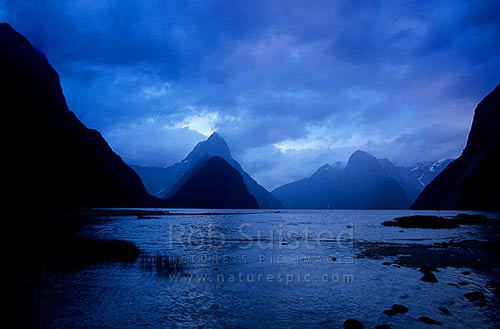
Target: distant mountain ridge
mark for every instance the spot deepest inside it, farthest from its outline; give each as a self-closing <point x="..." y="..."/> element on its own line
<point x="365" y="183"/>
<point x="472" y="181"/>
<point x="56" y="161"/>
<point x="173" y="177"/>
<point x="333" y="186"/>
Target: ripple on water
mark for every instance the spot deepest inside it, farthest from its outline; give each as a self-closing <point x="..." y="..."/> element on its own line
<point x="307" y="289"/>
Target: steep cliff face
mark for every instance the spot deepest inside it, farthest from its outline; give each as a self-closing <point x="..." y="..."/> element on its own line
<point x="51" y="158"/>
<point x="472" y="181"/>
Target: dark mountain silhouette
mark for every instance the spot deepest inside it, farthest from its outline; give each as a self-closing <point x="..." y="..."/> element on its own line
<point x="163" y="182"/>
<point x="214" y="184"/>
<point x="365" y="183"/>
<point x="173" y="177"/>
<point x="213" y="146"/>
<point x="53" y="160"/>
<point x="310" y="193"/>
<point x="472" y="181"/>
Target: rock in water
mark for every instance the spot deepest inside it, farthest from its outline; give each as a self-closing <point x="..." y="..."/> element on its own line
<point x="421" y="221"/>
<point x="353" y="324"/>
<point x="444" y="310"/>
<point x="475" y="296"/>
<point x="398" y="308"/>
<point x="390" y="312"/>
<point x="429" y="277"/>
<point x="427" y="320"/>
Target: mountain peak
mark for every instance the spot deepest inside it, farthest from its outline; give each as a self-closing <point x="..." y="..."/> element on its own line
<point x="327" y="172"/>
<point x="6" y="27"/>
<point x="325" y="167"/>
<point x="13" y="41"/>
<point x="214" y="145"/>
<point x="323" y="171"/>
<point x="214" y="135"/>
<point x="361" y="162"/>
<point x="361" y="156"/>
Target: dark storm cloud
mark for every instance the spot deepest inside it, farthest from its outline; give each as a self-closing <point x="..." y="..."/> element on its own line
<point x="284" y="81"/>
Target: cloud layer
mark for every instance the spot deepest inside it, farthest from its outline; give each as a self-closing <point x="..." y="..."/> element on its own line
<point x="289" y="84"/>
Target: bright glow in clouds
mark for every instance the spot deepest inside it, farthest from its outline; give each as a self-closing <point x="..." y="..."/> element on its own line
<point x="204" y="123"/>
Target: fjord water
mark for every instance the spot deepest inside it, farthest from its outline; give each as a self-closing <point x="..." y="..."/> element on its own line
<point x="254" y="269"/>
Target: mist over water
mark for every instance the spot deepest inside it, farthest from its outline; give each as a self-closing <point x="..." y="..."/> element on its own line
<point x="248" y="269"/>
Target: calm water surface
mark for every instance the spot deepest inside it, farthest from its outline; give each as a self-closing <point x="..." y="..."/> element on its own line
<point x="254" y="269"/>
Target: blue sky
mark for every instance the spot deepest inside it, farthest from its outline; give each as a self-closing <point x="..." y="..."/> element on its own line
<point x="290" y="85"/>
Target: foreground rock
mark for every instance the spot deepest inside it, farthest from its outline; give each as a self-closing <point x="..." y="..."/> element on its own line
<point x="398" y="308"/>
<point x="427" y="320"/>
<point x="420" y="221"/>
<point x="477" y="254"/>
<point x="353" y="324"/>
<point x="437" y="222"/>
<point x="444" y="310"/>
<point x="390" y="312"/>
<point x="429" y="277"/>
<point x="475" y="296"/>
